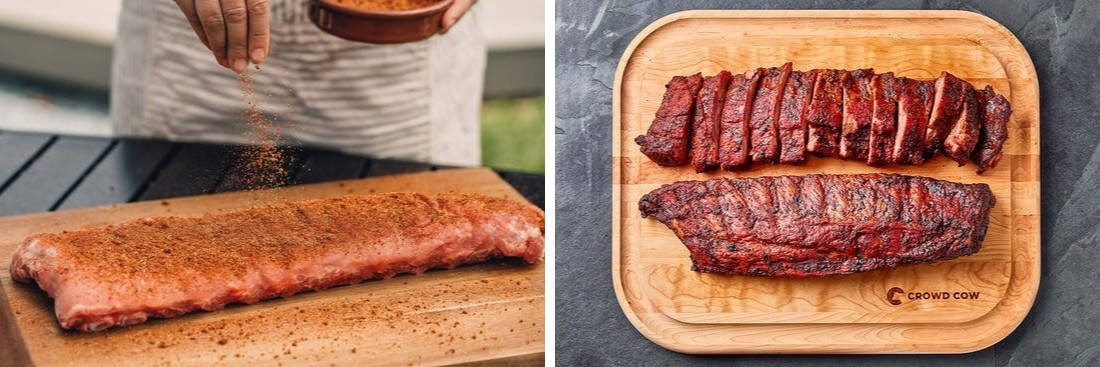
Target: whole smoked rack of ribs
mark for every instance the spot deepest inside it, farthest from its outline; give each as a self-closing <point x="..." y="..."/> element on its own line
<point x="820" y="225"/>
<point x="777" y="114"/>
<point x="164" y="267"/>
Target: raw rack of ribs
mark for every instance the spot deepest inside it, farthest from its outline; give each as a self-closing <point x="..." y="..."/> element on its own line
<point x="819" y="225"/>
<point x="777" y="114"/>
<point x="164" y="267"/>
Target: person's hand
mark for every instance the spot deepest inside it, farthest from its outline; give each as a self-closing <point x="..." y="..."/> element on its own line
<point x="455" y="12"/>
<point x="236" y="31"/>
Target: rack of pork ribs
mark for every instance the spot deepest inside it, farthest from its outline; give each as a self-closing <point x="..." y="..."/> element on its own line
<point x="777" y="115"/>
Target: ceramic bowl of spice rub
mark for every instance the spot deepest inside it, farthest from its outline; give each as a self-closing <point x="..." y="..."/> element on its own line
<point x="379" y="21"/>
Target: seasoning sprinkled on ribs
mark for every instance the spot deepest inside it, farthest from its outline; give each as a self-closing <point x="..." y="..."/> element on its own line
<point x="820" y="225"/>
<point x="164" y="267"/>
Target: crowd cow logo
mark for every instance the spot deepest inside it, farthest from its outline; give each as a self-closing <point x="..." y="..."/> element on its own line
<point x="891" y="295"/>
<point x="896" y="296"/>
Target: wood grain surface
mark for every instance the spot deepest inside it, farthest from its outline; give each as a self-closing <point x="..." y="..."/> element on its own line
<point x="485" y="314"/>
<point x="704" y="313"/>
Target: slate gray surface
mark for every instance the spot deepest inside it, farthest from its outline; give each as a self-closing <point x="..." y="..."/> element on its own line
<point x="1063" y="38"/>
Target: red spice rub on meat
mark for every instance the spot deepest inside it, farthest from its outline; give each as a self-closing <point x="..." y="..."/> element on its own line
<point x="164" y="267"/>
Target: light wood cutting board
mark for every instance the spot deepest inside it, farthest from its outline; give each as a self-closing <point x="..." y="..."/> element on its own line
<point x="490" y="313"/>
<point x="987" y="294"/>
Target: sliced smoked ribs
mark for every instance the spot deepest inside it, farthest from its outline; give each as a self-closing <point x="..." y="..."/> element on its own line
<point x="792" y="116"/>
<point x="914" y="106"/>
<point x="825" y="116"/>
<point x="858" y="105"/>
<point x="994" y="115"/>
<point x="704" y="141"/>
<point x="884" y="123"/>
<point x="670" y="133"/>
<point x="763" y="134"/>
<point x="779" y="115"/>
<point x="733" y="134"/>
<point x="819" y="225"/>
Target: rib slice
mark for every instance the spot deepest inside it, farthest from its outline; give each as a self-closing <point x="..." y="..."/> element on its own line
<point x="819" y="225"/>
<point x="964" y="134"/>
<point x="914" y="106"/>
<point x="704" y="140"/>
<point x="792" y="116"/>
<point x="764" y="134"/>
<point x="669" y="135"/>
<point x="884" y="124"/>
<point x="733" y="139"/>
<point x="857" y="114"/>
<point x="823" y="120"/>
<point x="164" y="267"/>
<point x="995" y="111"/>
<point x="946" y="106"/>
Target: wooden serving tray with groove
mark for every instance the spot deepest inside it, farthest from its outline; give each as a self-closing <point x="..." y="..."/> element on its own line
<point x="489" y="313"/>
<point x="972" y="302"/>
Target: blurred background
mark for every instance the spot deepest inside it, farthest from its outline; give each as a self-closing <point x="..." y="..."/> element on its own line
<point x="55" y="65"/>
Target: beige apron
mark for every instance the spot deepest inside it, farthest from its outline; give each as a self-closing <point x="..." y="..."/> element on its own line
<point x="417" y="101"/>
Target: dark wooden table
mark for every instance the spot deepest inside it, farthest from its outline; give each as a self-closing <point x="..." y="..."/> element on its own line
<point x="41" y="172"/>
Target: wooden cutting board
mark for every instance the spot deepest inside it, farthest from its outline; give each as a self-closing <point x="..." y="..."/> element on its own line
<point x="488" y="313"/>
<point x="950" y="307"/>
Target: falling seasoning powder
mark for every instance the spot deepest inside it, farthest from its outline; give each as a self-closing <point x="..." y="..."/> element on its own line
<point x="263" y="163"/>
